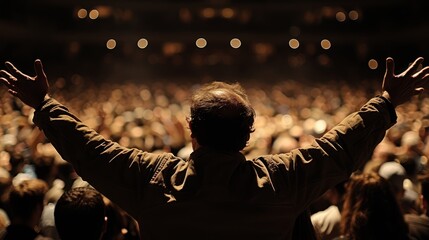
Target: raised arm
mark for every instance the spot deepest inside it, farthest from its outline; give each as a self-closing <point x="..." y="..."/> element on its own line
<point x="347" y="146"/>
<point x="106" y="165"/>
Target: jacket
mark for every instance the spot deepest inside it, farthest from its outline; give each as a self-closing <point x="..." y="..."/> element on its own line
<point x="215" y="194"/>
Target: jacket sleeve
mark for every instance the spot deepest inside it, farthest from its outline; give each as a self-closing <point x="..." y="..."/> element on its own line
<point x="309" y="172"/>
<point x="119" y="173"/>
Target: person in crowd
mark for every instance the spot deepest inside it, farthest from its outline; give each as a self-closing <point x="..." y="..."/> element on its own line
<point x="419" y="223"/>
<point x="217" y="193"/>
<point x="371" y="210"/>
<point x="327" y="221"/>
<point x="80" y="213"/>
<point x="26" y="202"/>
<point x="5" y="187"/>
<point x="395" y="175"/>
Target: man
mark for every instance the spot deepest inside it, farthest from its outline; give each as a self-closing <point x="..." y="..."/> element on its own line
<point x="80" y="213"/>
<point x="217" y="193"/>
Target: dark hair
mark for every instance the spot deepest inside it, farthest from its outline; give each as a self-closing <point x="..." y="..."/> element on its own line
<point x="26" y="196"/>
<point x="370" y="209"/>
<point x="221" y="116"/>
<point x="80" y="214"/>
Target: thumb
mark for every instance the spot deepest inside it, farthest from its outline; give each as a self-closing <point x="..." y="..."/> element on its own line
<point x="38" y="67"/>
<point x="390" y="67"/>
<point x="419" y="91"/>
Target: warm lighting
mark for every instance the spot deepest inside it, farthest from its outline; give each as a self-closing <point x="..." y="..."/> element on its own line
<point x="320" y="126"/>
<point x="235" y="43"/>
<point x="354" y="15"/>
<point x="201" y="43"/>
<point x="227" y="13"/>
<point x="104" y="11"/>
<point x="172" y="48"/>
<point x="373" y="64"/>
<point x="294" y="43"/>
<point x="326" y="44"/>
<point x="185" y="15"/>
<point x="340" y="16"/>
<point x="142" y="43"/>
<point x="111" y="44"/>
<point x="208" y="12"/>
<point x="93" y="14"/>
<point x="82" y="13"/>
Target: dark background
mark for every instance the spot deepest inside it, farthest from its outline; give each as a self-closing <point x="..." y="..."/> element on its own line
<point x="52" y="31"/>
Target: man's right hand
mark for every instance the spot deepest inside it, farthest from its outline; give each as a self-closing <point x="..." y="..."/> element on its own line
<point x="400" y="88"/>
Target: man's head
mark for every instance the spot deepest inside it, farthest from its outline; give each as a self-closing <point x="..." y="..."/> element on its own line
<point x="80" y="214"/>
<point x="221" y="116"/>
<point x="26" y="200"/>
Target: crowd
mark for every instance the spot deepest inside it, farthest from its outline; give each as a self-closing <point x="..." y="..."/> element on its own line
<point x="289" y="114"/>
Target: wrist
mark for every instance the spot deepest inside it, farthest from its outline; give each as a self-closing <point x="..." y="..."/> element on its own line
<point x="40" y="105"/>
<point x="386" y="96"/>
<point x="390" y="106"/>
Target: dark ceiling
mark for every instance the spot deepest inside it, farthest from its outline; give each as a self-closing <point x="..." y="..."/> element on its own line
<point x="358" y="31"/>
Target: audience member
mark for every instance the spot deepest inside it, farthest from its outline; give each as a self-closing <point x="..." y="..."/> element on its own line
<point x="5" y="187"/>
<point x="395" y="175"/>
<point x="26" y="202"/>
<point x="371" y="210"/>
<point x="419" y="224"/>
<point x="327" y="222"/>
<point x="80" y="213"/>
<point x="216" y="188"/>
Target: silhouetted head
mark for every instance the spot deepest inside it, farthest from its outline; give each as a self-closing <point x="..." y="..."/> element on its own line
<point x="221" y="116"/>
<point x="80" y="214"/>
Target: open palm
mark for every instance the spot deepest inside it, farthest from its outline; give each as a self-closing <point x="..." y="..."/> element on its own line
<point x="31" y="90"/>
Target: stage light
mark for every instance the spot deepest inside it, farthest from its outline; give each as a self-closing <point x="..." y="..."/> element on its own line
<point x="82" y="13"/>
<point x="142" y="43"/>
<point x="373" y="64"/>
<point x="294" y="43"/>
<point x="326" y="44"/>
<point x="354" y="15"/>
<point x="235" y="43"/>
<point x="340" y="16"/>
<point x="201" y="43"/>
<point x="93" y="14"/>
<point x="111" y="44"/>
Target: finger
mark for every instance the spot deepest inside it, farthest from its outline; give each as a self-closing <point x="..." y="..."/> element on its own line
<point x="14" y="71"/>
<point x="14" y="93"/>
<point x="390" y="66"/>
<point x="422" y="72"/>
<point x="7" y="75"/>
<point x="423" y="81"/>
<point x="38" y="67"/>
<point x="414" y="66"/>
<point x="7" y="83"/>
<point x="418" y="91"/>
